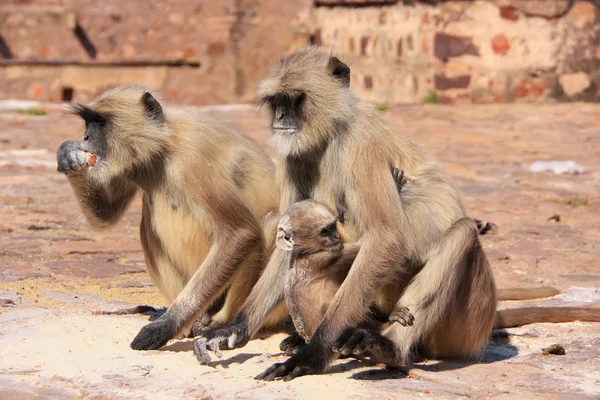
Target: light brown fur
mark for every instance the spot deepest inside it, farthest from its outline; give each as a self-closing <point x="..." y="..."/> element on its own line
<point x="207" y="189"/>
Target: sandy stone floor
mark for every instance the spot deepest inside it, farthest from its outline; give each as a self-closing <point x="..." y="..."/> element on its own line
<point x="56" y="270"/>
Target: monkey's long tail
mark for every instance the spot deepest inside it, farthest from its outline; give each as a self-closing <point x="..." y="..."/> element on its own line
<point x="526" y="294"/>
<point x="529" y="315"/>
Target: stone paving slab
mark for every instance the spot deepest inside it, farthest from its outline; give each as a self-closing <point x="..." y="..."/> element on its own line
<point x="54" y="268"/>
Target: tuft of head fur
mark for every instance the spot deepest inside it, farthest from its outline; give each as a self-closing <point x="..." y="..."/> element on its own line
<point x="328" y="104"/>
<point x="133" y="134"/>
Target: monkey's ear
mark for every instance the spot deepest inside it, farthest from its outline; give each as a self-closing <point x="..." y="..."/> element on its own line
<point x="339" y="71"/>
<point x="152" y="107"/>
<point x="284" y="240"/>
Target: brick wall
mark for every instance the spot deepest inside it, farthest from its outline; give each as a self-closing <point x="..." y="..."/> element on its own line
<point x="215" y="51"/>
<point x="466" y="51"/>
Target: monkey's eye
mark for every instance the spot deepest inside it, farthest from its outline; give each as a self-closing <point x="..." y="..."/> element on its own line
<point x="324" y="232"/>
<point x="299" y="100"/>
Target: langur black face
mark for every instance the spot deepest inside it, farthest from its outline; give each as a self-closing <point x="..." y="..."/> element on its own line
<point x="96" y="130"/>
<point x="287" y="112"/>
<point x="302" y="96"/>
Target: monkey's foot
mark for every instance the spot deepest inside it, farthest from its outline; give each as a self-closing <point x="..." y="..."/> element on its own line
<point x="403" y="316"/>
<point x="367" y="343"/>
<point x="204" y="324"/>
<point x="484" y="226"/>
<point x="155" y="335"/>
<point x="153" y="312"/>
<point x="233" y="336"/>
<point x="309" y="360"/>
<point x="291" y="344"/>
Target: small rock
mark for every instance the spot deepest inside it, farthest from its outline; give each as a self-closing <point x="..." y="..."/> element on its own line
<point x="555" y="349"/>
<point x="264" y="357"/>
<point x="558" y="167"/>
<point x="573" y="84"/>
<point x="6" y="229"/>
<point x="555" y="217"/>
<point x="7" y="303"/>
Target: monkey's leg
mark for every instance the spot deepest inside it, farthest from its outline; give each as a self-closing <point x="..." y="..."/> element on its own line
<point x="264" y="306"/>
<point x="242" y="283"/>
<point x="452" y="299"/>
<point x="207" y="283"/>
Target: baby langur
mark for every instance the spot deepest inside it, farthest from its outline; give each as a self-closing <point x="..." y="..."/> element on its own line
<point x="319" y="263"/>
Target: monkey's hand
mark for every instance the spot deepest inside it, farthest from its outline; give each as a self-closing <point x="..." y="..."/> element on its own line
<point x="292" y="343"/>
<point x="231" y="336"/>
<point x="70" y="157"/>
<point x="155" y="335"/>
<point x="403" y="316"/>
<point x="309" y="360"/>
<point x="362" y="342"/>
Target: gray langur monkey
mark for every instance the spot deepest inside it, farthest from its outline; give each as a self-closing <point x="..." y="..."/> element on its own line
<point x="207" y="194"/>
<point x="418" y="250"/>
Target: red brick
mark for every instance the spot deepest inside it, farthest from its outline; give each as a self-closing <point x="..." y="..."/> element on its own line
<point x="509" y="13"/>
<point x="530" y="88"/>
<point x="500" y="44"/>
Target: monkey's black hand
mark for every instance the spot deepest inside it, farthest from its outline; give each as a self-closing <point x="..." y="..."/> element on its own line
<point x="364" y="342"/>
<point x="403" y="316"/>
<point x="309" y="360"/>
<point x="155" y="335"/>
<point x="292" y="343"/>
<point x="231" y="336"/>
<point x="70" y="157"/>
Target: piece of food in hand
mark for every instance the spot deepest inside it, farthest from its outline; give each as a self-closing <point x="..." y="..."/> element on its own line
<point x="90" y="159"/>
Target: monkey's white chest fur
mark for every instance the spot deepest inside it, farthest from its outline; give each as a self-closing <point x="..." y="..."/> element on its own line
<point x="184" y="243"/>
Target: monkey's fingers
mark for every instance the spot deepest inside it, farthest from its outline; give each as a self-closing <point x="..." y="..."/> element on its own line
<point x="298" y="371"/>
<point x="200" y="351"/>
<point x="484" y="226"/>
<point x="346" y="345"/>
<point x="274" y="371"/>
<point x="291" y="344"/>
<point x="403" y="316"/>
<point x="214" y="344"/>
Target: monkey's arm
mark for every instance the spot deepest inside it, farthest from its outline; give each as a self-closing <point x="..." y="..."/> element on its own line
<point x="102" y="204"/>
<point x="266" y="297"/>
<point x="385" y="246"/>
<point x="239" y="235"/>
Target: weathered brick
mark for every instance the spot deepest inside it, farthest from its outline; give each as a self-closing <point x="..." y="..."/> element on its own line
<point x="582" y="13"/>
<point x="444" y="83"/>
<point x="530" y="88"/>
<point x="509" y="13"/>
<point x="364" y="41"/>
<point x="446" y="46"/>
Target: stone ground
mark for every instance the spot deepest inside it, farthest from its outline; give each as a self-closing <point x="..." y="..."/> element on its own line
<point x="55" y="269"/>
